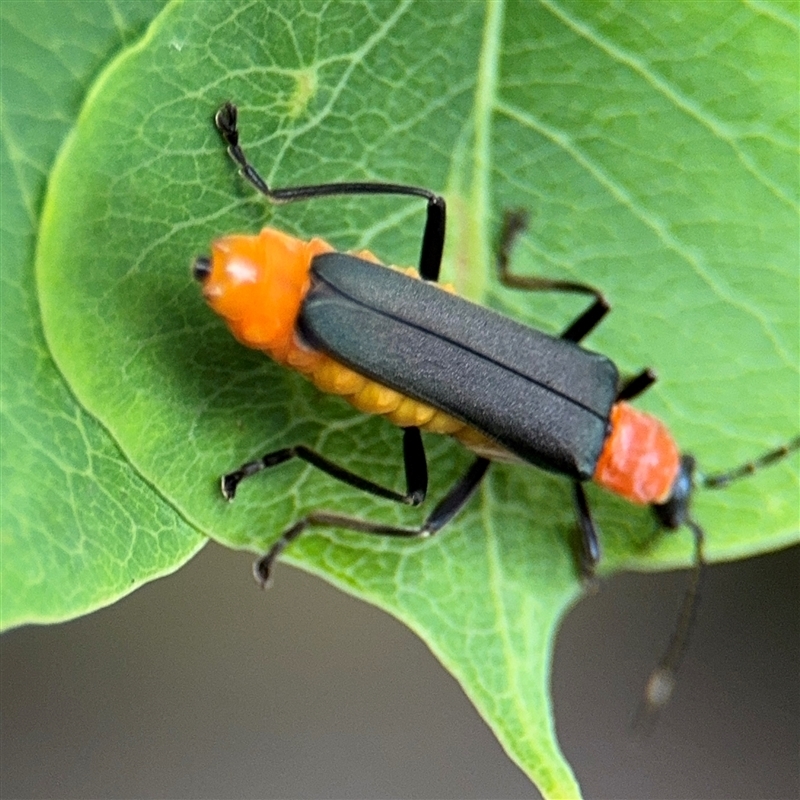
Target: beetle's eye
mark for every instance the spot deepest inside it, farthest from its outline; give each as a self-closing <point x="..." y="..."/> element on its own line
<point x="201" y="268"/>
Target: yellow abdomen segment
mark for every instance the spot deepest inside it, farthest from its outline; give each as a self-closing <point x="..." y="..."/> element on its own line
<point x="371" y="397"/>
<point x="367" y="395"/>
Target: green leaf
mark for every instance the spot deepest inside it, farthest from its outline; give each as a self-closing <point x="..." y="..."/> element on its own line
<point x="80" y="527"/>
<point x="656" y="147"/>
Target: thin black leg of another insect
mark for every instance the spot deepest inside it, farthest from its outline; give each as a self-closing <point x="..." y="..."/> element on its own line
<point x="514" y="223"/>
<point x="444" y="511"/>
<point x="414" y="461"/>
<point x="430" y="258"/>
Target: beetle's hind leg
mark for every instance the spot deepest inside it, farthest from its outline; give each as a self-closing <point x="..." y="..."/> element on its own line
<point x="414" y="462"/>
<point x="226" y="121"/>
<point x="515" y="222"/>
<point x="444" y="511"/>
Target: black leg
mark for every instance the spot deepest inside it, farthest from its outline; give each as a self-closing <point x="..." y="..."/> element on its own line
<point x="416" y="470"/>
<point x="430" y="258"/>
<point x="587" y="321"/>
<point x="514" y="223"/>
<point x="633" y="387"/>
<point x="590" y="544"/>
<point x="445" y="510"/>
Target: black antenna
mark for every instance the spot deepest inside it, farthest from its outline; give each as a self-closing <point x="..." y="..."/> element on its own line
<point x="661" y="682"/>
<point x="673" y="514"/>
<point x="722" y="479"/>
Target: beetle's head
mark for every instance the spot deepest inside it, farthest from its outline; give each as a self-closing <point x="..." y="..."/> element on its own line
<point x="674" y="511"/>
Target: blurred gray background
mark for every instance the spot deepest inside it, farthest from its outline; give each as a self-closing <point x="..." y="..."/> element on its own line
<point x="201" y="686"/>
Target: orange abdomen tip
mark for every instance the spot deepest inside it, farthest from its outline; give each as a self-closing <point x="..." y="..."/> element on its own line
<point x="640" y="460"/>
<point x="257" y="284"/>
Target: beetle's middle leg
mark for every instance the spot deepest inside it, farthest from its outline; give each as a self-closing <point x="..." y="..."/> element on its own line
<point x="590" y="542"/>
<point x="514" y="223"/>
<point x="444" y="511"/>
<point x="636" y="385"/>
